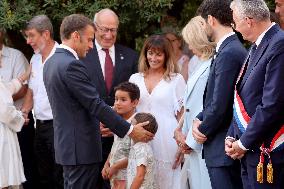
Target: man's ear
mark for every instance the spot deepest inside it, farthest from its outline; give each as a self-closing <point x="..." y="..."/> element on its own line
<point x="211" y="20"/>
<point x="75" y="36"/>
<point x="46" y="34"/>
<point x="249" y="22"/>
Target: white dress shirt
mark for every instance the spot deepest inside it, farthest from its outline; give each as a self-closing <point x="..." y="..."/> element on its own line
<point x="102" y="55"/>
<point x="219" y="43"/>
<point x="42" y="109"/>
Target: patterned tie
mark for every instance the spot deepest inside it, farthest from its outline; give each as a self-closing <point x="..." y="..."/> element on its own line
<point x="108" y="70"/>
<point x="245" y="71"/>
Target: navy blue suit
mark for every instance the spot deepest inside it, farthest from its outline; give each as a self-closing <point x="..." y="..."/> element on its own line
<point x="217" y="113"/>
<point x="77" y="111"/>
<point x="262" y="93"/>
<point x="126" y="64"/>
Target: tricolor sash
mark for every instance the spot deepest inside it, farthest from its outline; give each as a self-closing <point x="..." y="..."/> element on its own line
<point x="242" y="119"/>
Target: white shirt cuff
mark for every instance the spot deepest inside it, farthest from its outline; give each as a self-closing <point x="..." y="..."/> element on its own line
<point x="241" y="145"/>
<point x="130" y="130"/>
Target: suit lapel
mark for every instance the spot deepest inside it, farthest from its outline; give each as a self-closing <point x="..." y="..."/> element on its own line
<point x="261" y="50"/>
<point x="119" y="58"/>
<point x="223" y="45"/>
<point x="192" y="81"/>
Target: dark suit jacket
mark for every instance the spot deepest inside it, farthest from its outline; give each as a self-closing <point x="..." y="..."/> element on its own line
<point x="77" y="110"/>
<point x="126" y="61"/>
<point x="218" y="106"/>
<point x="262" y="93"/>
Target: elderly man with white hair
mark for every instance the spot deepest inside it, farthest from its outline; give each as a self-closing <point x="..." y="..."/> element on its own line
<point x="256" y="135"/>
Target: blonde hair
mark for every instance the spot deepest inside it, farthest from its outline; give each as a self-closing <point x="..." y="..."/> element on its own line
<point x="194" y="34"/>
<point x="161" y="43"/>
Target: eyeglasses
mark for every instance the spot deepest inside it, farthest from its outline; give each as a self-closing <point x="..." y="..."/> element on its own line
<point x="106" y="30"/>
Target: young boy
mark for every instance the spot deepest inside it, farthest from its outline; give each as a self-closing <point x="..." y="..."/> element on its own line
<point x="126" y="99"/>
<point x="140" y="169"/>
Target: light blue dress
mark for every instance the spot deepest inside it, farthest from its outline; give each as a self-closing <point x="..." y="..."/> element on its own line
<point x="194" y="171"/>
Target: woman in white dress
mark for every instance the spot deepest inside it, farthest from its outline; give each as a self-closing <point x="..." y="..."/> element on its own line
<point x="194" y="171"/>
<point x="161" y="90"/>
<point x="11" y="122"/>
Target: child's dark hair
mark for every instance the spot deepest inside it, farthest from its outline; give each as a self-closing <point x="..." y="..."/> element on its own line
<point x="143" y="117"/>
<point x="131" y="88"/>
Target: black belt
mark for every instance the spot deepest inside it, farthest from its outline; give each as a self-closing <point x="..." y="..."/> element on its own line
<point x="38" y="121"/>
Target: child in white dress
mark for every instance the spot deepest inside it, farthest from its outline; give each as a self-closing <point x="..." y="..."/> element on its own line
<point x="126" y="99"/>
<point x="11" y="122"/>
<point x="140" y="169"/>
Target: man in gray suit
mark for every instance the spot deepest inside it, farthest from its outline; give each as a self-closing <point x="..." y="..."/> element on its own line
<point x="77" y="108"/>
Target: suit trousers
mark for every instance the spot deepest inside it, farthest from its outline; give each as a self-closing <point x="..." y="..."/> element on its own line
<point x="226" y="177"/>
<point x="26" y="142"/>
<point x="106" y="148"/>
<point x="249" y="176"/>
<point x="50" y="173"/>
<point x="81" y="176"/>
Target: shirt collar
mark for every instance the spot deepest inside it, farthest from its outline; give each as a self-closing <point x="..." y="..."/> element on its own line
<point x="99" y="47"/>
<point x="69" y="49"/>
<point x="5" y="51"/>
<point x="223" y="39"/>
<point x="259" y="39"/>
<point x="56" y="45"/>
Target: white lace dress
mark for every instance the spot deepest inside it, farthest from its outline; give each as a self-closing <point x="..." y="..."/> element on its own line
<point x="164" y="102"/>
<point x="11" y="122"/>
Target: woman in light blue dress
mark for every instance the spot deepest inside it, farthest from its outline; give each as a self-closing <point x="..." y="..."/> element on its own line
<point x="194" y="171"/>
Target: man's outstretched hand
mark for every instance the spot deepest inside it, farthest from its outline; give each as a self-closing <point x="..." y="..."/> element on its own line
<point x="140" y="134"/>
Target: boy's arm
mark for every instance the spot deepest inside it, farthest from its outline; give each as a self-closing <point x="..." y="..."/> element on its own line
<point x="105" y="169"/>
<point x="139" y="178"/>
<point x="121" y="164"/>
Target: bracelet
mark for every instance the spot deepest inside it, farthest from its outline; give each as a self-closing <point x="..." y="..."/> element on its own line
<point x="230" y="138"/>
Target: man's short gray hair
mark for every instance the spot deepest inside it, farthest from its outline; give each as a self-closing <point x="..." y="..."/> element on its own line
<point x="41" y="23"/>
<point x="256" y="9"/>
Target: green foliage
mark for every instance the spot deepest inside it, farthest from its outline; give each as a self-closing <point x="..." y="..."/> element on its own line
<point x="189" y="11"/>
<point x="137" y="17"/>
<point x="13" y="14"/>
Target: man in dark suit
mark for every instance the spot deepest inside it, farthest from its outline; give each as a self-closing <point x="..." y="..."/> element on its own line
<point x="77" y="108"/>
<point x="124" y="63"/>
<point x="212" y="123"/>
<point x="260" y="90"/>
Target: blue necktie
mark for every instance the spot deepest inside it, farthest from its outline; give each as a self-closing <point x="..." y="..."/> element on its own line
<point x="249" y="65"/>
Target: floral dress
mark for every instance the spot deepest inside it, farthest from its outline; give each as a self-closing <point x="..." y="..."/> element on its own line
<point x="141" y="154"/>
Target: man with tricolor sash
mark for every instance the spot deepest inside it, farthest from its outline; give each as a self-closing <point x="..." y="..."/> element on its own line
<point x="256" y="135"/>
